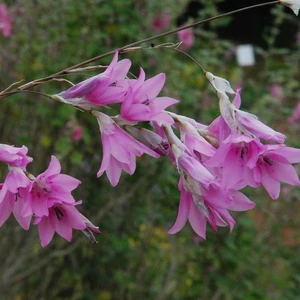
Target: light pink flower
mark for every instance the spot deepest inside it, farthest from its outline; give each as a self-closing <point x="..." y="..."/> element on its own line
<point x="5" y="21"/>
<point x="274" y="166"/>
<point x="191" y="136"/>
<point x="13" y="196"/>
<point x="48" y="189"/>
<point x="161" y="22"/>
<point x="119" y="149"/>
<point x="141" y="102"/>
<point x="295" y="115"/>
<point x="201" y="205"/>
<point x="106" y="88"/>
<point x="62" y="218"/>
<point x="237" y="156"/>
<point x="15" y="157"/>
<point x="187" y="37"/>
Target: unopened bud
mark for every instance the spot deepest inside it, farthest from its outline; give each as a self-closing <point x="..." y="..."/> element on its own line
<point x="150" y="139"/>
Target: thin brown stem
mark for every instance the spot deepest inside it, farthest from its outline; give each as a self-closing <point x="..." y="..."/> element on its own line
<point x="91" y="60"/>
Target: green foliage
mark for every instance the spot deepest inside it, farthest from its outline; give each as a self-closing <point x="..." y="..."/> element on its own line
<point x="135" y="257"/>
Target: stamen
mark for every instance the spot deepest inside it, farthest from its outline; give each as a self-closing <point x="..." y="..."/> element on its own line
<point x="268" y="160"/>
<point x="58" y="213"/>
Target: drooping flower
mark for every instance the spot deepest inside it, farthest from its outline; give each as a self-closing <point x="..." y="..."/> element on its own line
<point x="103" y="89"/>
<point x="292" y="4"/>
<point x="201" y="205"/>
<point x="187" y="37"/>
<point x="237" y="156"/>
<point x="141" y="102"/>
<point x="5" y="21"/>
<point x="14" y="156"/>
<point x="48" y="189"/>
<point x="13" y="196"/>
<point x="62" y="218"/>
<point x="119" y="149"/>
<point x="192" y="136"/>
<point x="275" y="166"/>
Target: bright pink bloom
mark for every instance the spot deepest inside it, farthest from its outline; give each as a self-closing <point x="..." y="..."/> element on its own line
<point x="62" y="218"/>
<point x="295" y="115"/>
<point x="187" y="37"/>
<point x="119" y="149"/>
<point x="141" y="102"/>
<point x="191" y="167"/>
<point x="274" y="166"/>
<point x="161" y="22"/>
<point x="13" y="195"/>
<point x="103" y="89"/>
<point x="48" y="189"/>
<point x="237" y="156"/>
<point x="15" y="157"/>
<point x="193" y="140"/>
<point x="5" y="21"/>
<point x="200" y="205"/>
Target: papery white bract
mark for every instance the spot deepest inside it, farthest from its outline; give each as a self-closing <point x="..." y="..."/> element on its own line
<point x="292" y="4"/>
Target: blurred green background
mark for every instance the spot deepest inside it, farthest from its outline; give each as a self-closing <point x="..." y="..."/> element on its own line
<point x="135" y="257"/>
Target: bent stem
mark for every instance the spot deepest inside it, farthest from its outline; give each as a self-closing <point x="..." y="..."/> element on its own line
<point x="131" y="45"/>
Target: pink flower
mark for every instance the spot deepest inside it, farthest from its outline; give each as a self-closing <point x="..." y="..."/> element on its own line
<point x="141" y="102"/>
<point x="62" y="218"/>
<point x="237" y="156"/>
<point x="274" y="166"/>
<point x="187" y="37"/>
<point x="119" y="149"/>
<point x="192" y="136"/>
<point x="161" y="22"/>
<point x="5" y="21"/>
<point x="15" y="157"/>
<point x="106" y="88"/>
<point x="191" y="167"/>
<point x="295" y="115"/>
<point x="13" y="202"/>
<point x="48" y="189"/>
<point x="13" y="195"/>
<point x="207" y="205"/>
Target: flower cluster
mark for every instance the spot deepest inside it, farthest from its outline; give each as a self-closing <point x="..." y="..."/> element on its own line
<point x="139" y="102"/>
<point x="214" y="162"/>
<point x="47" y="198"/>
